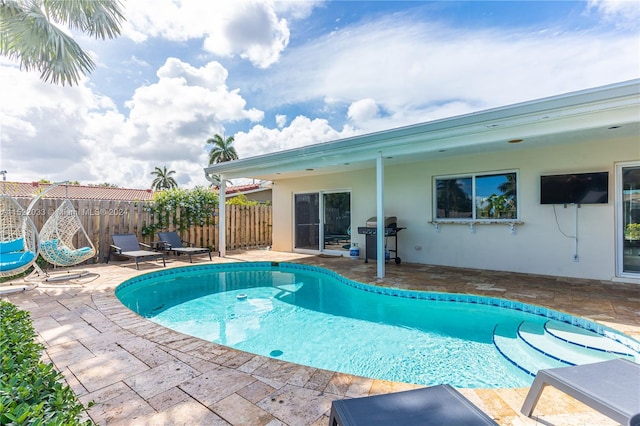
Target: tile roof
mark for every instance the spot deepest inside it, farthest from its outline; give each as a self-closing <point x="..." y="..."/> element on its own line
<point x="76" y="192"/>
<point x="86" y="192"/>
<point x="247" y="188"/>
<point x="242" y="188"/>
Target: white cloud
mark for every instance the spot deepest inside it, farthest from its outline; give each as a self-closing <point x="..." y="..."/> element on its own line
<point x="415" y="68"/>
<point x="301" y="131"/>
<point x="281" y="120"/>
<point x="41" y="125"/>
<point x="251" y="29"/>
<point x="63" y="133"/>
<point x="622" y="13"/>
<point x="363" y="110"/>
<point x="297" y="9"/>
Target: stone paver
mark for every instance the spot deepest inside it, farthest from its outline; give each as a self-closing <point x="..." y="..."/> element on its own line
<point x="105" y="369"/>
<point x="297" y="406"/>
<point x="165" y="376"/>
<point x="239" y="411"/>
<point x="138" y="373"/>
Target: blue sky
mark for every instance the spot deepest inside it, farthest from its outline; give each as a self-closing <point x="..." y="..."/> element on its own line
<point x="279" y="75"/>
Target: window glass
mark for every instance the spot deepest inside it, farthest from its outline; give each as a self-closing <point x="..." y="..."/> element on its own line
<point x="631" y="219"/>
<point x="454" y="198"/>
<point x="307" y="221"/>
<point x="496" y="196"/>
<point x="337" y="221"/>
<point x="477" y="197"/>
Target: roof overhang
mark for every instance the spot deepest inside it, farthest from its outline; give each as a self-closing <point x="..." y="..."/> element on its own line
<point x="604" y="112"/>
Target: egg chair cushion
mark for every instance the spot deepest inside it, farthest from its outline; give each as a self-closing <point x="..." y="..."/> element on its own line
<point x="12" y="245"/>
<point x="15" y="260"/>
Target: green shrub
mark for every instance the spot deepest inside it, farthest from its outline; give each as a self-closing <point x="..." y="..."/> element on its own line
<point x="181" y="207"/>
<point x="241" y="200"/>
<point x="31" y="392"/>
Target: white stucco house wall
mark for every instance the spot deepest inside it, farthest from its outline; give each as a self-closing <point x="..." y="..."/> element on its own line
<point x="403" y="172"/>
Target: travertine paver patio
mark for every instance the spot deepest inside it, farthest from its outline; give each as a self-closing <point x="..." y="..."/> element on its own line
<point x="137" y="372"/>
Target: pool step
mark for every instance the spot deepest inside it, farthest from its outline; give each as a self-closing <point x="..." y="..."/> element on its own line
<point x="516" y="351"/>
<point x="588" y="339"/>
<point x="568" y="352"/>
<point x="533" y="346"/>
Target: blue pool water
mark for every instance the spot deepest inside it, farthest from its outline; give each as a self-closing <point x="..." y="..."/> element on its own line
<point x="311" y="316"/>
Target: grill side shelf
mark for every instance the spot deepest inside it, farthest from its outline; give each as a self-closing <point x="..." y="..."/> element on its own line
<point x="374" y="231"/>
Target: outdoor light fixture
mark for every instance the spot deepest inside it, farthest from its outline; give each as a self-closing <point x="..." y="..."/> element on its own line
<point x="515" y="141"/>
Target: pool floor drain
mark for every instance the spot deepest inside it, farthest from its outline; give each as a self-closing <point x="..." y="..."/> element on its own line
<point x="276" y="352"/>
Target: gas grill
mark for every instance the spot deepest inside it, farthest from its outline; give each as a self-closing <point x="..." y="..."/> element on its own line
<point x="371" y="239"/>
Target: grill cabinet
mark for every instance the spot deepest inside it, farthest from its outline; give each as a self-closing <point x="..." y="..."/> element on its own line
<point x="371" y="239"/>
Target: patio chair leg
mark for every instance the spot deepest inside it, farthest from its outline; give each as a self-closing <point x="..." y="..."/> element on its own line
<point x="533" y="396"/>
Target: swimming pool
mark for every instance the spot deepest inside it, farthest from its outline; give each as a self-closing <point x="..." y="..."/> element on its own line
<point x="312" y="316"/>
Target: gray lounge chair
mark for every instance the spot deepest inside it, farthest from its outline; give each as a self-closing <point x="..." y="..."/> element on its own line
<point x="436" y="405"/>
<point x="610" y="387"/>
<point x="127" y="245"/>
<point x="171" y="241"/>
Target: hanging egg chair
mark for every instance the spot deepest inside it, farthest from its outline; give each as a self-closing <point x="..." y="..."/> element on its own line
<point x="57" y="234"/>
<point x="18" y="238"/>
<point x="56" y="238"/>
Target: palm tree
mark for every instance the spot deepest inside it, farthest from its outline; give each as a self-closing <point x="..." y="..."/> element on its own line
<point x="163" y="179"/>
<point x="29" y="34"/>
<point x="222" y="150"/>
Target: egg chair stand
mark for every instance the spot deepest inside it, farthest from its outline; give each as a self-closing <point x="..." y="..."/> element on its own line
<point x="56" y="241"/>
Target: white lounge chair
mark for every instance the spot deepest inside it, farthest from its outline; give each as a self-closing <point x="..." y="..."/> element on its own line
<point x="610" y="387"/>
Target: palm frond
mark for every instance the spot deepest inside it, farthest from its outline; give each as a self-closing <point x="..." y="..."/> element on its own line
<point x="99" y="18"/>
<point x="29" y="35"/>
<point x="40" y="45"/>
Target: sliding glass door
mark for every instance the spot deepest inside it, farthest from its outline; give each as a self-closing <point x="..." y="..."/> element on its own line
<point x="323" y="221"/>
<point x="337" y="221"/>
<point x="628" y="205"/>
<point x="307" y="221"/>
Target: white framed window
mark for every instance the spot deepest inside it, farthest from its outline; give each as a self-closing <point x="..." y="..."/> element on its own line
<point x="490" y="196"/>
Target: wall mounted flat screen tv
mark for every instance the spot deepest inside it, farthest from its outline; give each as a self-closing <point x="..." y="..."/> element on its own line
<point x="575" y="188"/>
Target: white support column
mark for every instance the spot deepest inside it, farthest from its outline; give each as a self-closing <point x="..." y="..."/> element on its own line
<point x="380" y="214"/>
<point x="222" y="218"/>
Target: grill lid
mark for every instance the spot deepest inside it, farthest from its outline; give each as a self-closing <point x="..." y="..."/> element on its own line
<point x="389" y="222"/>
